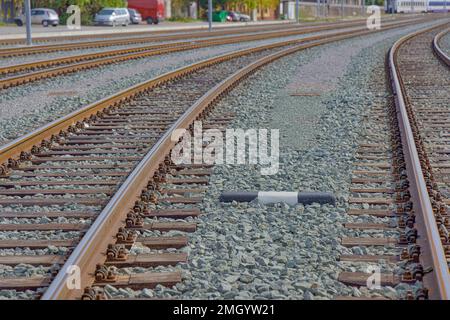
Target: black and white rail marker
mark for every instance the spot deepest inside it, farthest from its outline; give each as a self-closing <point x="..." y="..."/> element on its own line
<point x="291" y="198"/>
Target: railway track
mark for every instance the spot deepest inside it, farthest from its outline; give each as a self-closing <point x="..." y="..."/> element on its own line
<point x="18" y="74"/>
<point x="163" y="34"/>
<point x="401" y="185"/>
<point x="437" y="48"/>
<point x="140" y="33"/>
<point x="246" y="37"/>
<point x="39" y="49"/>
<point x="94" y="184"/>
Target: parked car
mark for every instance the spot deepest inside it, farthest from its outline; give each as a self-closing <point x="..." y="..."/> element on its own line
<point x="236" y="16"/>
<point x="152" y="11"/>
<point x="244" y="17"/>
<point x="233" y="16"/>
<point x="42" y="16"/>
<point x="112" y="17"/>
<point x="135" y="16"/>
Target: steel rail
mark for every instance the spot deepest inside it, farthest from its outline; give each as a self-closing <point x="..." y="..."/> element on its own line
<point x="164" y="33"/>
<point x="13" y="149"/>
<point x="90" y="56"/>
<point x="437" y="48"/>
<point x="418" y="188"/>
<point x="21" y="41"/>
<point x="91" y="248"/>
<point x="82" y="57"/>
<point x="186" y="32"/>
<point x="169" y="48"/>
<point x="16" y="51"/>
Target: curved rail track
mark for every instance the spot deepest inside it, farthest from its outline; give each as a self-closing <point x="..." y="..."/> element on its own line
<point x="164" y="33"/>
<point x="39" y="49"/>
<point x="413" y="158"/>
<point x="180" y="34"/>
<point x="139" y="33"/>
<point x="238" y="38"/>
<point x="104" y="171"/>
<point x="420" y="74"/>
<point x="437" y="49"/>
<point x="18" y="75"/>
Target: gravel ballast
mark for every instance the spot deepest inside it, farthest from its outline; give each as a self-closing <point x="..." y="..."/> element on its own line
<point x="252" y="251"/>
<point x="9" y="61"/>
<point x="38" y="103"/>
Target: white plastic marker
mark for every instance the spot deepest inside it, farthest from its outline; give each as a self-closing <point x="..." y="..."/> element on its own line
<point x="265" y="197"/>
<point x="290" y="198"/>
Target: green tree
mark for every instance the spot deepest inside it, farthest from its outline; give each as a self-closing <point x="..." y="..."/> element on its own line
<point x="249" y="4"/>
<point x="375" y="2"/>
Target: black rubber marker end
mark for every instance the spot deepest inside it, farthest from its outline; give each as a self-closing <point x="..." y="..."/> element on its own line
<point x="274" y="197"/>
<point x="316" y="197"/>
<point x="238" y="196"/>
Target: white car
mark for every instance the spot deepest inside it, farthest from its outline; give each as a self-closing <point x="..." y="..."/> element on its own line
<point x="112" y="17"/>
<point x="135" y="16"/>
<point x="237" y="16"/>
<point x="42" y="16"/>
<point x="243" y="17"/>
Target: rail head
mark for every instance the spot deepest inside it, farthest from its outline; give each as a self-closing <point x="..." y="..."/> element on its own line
<point x="418" y="187"/>
<point x="437" y="48"/>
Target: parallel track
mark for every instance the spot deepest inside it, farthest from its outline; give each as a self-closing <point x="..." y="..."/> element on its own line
<point x="125" y="144"/>
<point x="83" y="57"/>
<point x="39" y="49"/>
<point x="419" y="74"/>
<point x="138" y="33"/>
<point x="438" y="50"/>
<point x="19" y="74"/>
<point x="418" y="204"/>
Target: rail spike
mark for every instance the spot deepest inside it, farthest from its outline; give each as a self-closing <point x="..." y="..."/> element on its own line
<point x="25" y="156"/>
<point x="421" y="294"/>
<point x="46" y="144"/>
<point x="35" y="150"/>
<point x="4" y="170"/>
<point x="153" y="186"/>
<point x="139" y="207"/>
<point x="93" y="293"/>
<point x="13" y="163"/>
<point x="126" y="236"/>
<point x="134" y="221"/>
<point x="105" y="273"/>
<point x="116" y="252"/>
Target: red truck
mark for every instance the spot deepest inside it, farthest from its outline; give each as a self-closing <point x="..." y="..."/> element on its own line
<point x="151" y="11"/>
